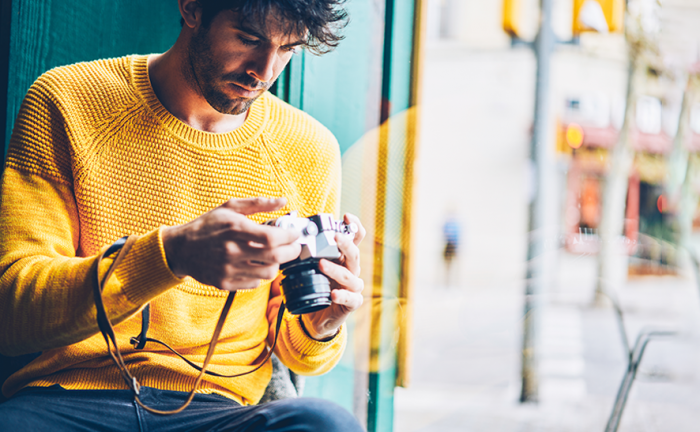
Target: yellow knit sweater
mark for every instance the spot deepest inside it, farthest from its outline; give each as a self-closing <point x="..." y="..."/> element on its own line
<point x="94" y="156"/>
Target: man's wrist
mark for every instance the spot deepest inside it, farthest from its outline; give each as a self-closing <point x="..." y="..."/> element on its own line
<point x="311" y="333"/>
<point x="170" y="246"/>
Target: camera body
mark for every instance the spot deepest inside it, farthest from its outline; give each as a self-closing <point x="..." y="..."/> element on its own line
<point x="304" y="288"/>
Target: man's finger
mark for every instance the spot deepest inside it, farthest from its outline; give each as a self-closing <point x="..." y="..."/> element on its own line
<point x="242" y="270"/>
<point x="243" y="229"/>
<point x="239" y="284"/>
<point x="269" y="256"/>
<point x="249" y="206"/>
<point x="342" y="276"/>
<point x="350" y="252"/>
<point x="352" y="301"/>
<point x="361" y="232"/>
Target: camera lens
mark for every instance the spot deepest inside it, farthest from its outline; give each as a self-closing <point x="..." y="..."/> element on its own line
<point x="305" y="289"/>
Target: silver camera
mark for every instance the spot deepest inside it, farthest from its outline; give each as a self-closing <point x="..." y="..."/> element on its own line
<point x="304" y="288"/>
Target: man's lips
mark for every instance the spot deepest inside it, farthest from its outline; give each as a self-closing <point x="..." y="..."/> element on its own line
<point x="244" y="91"/>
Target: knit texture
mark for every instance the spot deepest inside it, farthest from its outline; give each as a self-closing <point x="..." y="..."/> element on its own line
<point x="94" y="156"/>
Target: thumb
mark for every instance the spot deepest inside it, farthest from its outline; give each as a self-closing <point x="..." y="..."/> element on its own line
<point x="249" y="206"/>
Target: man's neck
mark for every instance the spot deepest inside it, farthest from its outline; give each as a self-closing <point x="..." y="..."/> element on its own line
<point x="181" y="100"/>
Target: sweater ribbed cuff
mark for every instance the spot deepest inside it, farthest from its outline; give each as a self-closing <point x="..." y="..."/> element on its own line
<point x="144" y="273"/>
<point x="303" y="343"/>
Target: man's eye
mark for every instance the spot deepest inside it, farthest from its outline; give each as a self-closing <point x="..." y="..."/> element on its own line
<point x="249" y="42"/>
<point x="293" y="49"/>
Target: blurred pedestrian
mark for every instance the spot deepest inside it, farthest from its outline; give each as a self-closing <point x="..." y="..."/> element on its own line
<point x="451" y="231"/>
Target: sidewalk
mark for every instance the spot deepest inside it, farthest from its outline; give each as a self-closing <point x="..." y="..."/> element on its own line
<point x="466" y="370"/>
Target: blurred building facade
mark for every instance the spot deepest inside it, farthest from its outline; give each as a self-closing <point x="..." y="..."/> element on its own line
<point x="474" y="163"/>
<point x="588" y="95"/>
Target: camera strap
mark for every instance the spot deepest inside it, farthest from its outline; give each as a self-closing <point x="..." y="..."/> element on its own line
<point x="122" y="246"/>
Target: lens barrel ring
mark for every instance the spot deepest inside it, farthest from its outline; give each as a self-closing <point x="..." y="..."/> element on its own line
<point x="305" y="288"/>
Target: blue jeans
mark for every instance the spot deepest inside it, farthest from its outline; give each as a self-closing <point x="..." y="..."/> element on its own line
<point x="55" y="409"/>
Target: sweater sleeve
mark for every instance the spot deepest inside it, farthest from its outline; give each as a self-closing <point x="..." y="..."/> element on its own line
<point x="304" y="355"/>
<point x="46" y="298"/>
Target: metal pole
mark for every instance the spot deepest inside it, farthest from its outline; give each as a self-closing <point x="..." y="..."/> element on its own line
<point x="544" y="46"/>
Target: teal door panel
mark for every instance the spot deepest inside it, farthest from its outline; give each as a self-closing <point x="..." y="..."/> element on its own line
<point x="47" y="33"/>
<point x="398" y="66"/>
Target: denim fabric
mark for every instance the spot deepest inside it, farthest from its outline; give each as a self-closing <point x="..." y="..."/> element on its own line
<point x="55" y="409"/>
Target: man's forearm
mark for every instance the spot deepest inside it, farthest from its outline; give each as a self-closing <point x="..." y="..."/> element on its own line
<point x="46" y="297"/>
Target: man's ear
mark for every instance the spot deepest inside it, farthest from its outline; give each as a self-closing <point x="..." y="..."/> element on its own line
<point x="191" y="12"/>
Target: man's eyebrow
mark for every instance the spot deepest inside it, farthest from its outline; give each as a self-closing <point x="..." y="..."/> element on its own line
<point x="252" y="32"/>
<point x="293" y="44"/>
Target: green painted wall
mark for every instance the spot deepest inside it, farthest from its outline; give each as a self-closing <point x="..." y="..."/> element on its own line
<point x="50" y="33"/>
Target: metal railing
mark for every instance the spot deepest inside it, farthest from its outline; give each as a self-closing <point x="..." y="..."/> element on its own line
<point x="634" y="359"/>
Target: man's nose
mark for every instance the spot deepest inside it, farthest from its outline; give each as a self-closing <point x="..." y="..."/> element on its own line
<point x="262" y="67"/>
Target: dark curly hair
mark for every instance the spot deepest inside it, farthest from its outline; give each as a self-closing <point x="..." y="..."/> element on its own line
<point x="321" y="20"/>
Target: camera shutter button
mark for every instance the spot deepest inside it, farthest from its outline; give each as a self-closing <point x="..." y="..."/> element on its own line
<point x="310" y="230"/>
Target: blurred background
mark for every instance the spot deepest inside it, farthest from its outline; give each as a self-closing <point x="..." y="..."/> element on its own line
<point x="538" y="265"/>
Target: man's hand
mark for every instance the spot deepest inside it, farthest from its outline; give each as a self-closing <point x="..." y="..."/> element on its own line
<point x="225" y="249"/>
<point x="346" y="288"/>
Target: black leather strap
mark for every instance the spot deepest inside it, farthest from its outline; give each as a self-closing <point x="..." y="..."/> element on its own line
<point x="140" y="341"/>
<point x="122" y="246"/>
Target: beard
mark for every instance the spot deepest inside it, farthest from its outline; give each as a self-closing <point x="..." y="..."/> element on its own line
<point x="207" y="77"/>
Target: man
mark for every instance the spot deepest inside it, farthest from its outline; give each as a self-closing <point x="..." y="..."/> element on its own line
<point x="152" y="146"/>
